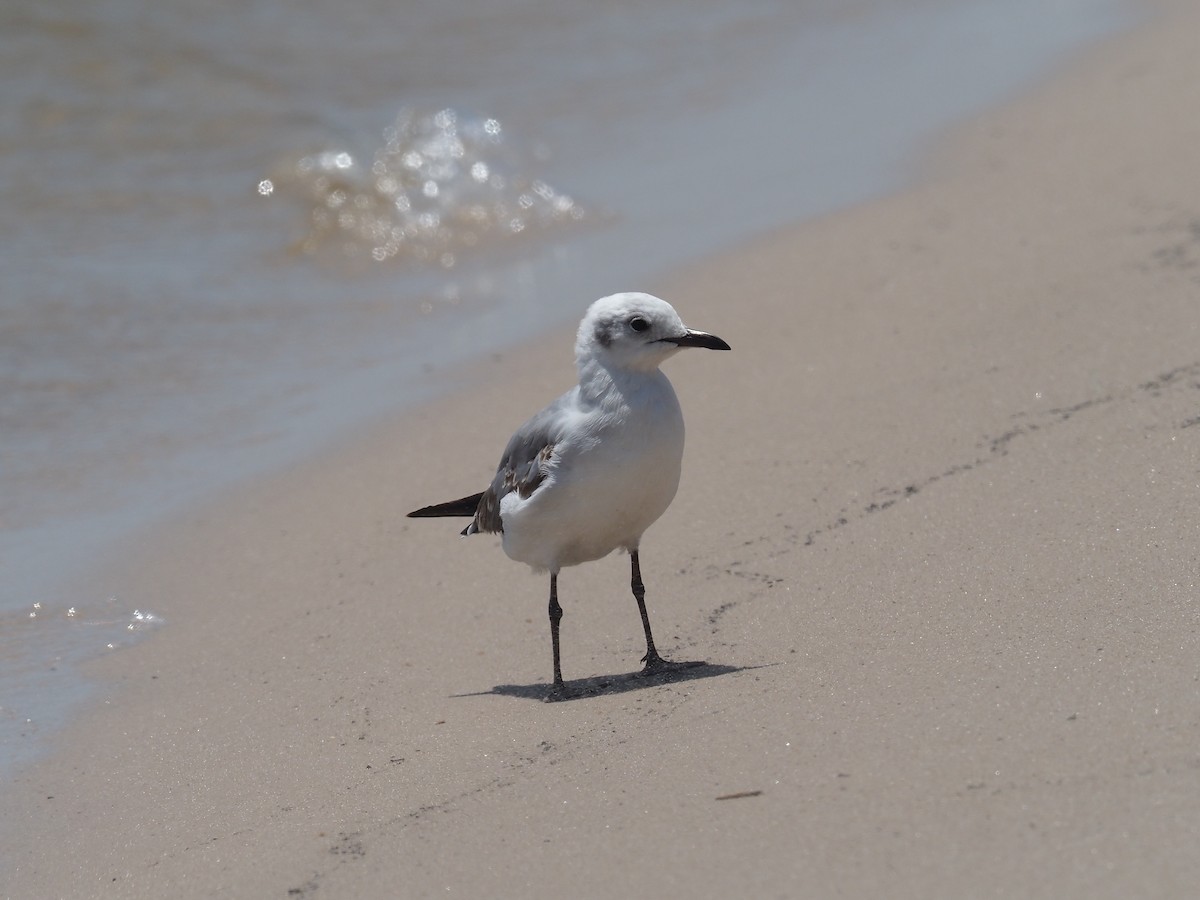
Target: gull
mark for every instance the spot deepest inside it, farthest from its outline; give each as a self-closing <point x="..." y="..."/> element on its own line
<point x="593" y="470"/>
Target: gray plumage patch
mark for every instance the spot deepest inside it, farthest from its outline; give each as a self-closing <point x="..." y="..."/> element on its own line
<point x="524" y="465"/>
<point x="518" y="473"/>
<point x="604" y="332"/>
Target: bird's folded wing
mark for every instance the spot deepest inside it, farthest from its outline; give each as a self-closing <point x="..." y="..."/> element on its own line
<point x="523" y="467"/>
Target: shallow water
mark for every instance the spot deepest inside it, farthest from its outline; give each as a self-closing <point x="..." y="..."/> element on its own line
<point x="232" y="232"/>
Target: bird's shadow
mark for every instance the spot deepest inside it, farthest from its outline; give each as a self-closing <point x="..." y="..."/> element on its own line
<point x="603" y="685"/>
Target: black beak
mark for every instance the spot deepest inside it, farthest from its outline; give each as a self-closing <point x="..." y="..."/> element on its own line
<point x="698" y="339"/>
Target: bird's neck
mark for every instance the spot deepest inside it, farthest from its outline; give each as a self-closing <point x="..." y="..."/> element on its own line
<point x="602" y="384"/>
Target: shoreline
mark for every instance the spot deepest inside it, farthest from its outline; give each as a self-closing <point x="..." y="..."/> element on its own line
<point x="966" y="358"/>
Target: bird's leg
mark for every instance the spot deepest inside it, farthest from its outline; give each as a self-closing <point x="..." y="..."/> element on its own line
<point x="555" y="618"/>
<point x="653" y="661"/>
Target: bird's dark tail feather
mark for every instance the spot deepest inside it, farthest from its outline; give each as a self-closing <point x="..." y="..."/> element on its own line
<point x="463" y="507"/>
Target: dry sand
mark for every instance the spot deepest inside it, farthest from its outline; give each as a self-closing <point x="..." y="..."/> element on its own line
<point x="938" y="530"/>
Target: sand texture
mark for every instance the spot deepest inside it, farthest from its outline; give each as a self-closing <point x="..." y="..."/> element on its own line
<point x="937" y="535"/>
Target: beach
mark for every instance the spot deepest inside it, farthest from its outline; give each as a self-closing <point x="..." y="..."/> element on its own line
<point x="227" y="247"/>
<point x="936" y="538"/>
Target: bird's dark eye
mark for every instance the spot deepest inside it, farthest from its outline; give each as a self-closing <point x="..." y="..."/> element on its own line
<point x="637" y="323"/>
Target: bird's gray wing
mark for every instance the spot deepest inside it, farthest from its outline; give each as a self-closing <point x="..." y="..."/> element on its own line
<point x="523" y="466"/>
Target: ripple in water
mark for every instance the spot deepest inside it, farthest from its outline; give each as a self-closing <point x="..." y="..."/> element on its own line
<point x="442" y="186"/>
<point x="40" y="649"/>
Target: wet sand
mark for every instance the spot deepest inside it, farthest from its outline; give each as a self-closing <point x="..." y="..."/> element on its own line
<point x="936" y="536"/>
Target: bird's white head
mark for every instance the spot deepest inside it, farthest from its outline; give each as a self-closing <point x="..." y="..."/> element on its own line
<point x="636" y="332"/>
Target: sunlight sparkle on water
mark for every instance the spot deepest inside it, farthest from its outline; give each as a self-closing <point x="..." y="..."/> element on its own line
<point x="442" y="185"/>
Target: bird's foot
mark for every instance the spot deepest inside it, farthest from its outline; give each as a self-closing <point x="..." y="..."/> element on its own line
<point x="656" y="665"/>
<point x="558" y="691"/>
